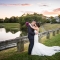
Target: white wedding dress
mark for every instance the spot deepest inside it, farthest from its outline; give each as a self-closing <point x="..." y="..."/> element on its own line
<point x="42" y="50"/>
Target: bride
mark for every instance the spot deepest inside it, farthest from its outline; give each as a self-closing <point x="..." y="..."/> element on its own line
<point x="39" y="48"/>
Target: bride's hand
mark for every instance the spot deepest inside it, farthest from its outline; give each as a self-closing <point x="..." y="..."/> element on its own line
<point x="36" y="33"/>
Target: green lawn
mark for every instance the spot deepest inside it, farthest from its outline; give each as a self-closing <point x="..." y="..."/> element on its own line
<point x="10" y="25"/>
<point x="49" y="26"/>
<point x="12" y="54"/>
<point x="54" y="41"/>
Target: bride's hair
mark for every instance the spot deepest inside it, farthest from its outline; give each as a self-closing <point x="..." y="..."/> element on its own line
<point x="38" y="24"/>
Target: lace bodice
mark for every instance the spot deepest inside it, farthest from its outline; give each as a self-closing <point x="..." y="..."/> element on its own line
<point x="36" y="31"/>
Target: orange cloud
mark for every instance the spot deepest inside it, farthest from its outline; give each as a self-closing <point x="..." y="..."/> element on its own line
<point x="15" y="4"/>
<point x="54" y="12"/>
<point x="25" y="4"/>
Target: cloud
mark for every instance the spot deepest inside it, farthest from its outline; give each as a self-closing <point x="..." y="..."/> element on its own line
<point x="27" y="12"/>
<point x="26" y="4"/>
<point x="3" y="4"/>
<point x="42" y="4"/>
<point x="54" y="12"/>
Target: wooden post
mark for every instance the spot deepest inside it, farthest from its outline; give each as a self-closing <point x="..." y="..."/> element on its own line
<point x="20" y="46"/>
<point x="53" y="33"/>
<point x="48" y="35"/>
<point x="57" y="31"/>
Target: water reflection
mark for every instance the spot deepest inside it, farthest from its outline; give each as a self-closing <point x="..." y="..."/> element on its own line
<point x="8" y="35"/>
<point x="13" y="30"/>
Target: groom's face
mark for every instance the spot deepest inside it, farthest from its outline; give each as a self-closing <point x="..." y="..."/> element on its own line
<point x="33" y="22"/>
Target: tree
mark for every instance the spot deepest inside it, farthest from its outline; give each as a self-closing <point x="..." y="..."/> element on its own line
<point x="1" y="20"/>
<point x="47" y="21"/>
<point x="59" y="18"/>
<point x="11" y="20"/>
<point x="52" y="20"/>
<point x="28" y="18"/>
<point x="6" y="20"/>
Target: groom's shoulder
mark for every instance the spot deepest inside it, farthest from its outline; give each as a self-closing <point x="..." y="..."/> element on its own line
<point x="29" y="27"/>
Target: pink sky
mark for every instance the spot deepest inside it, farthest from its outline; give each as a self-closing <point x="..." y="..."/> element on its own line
<point x="10" y="8"/>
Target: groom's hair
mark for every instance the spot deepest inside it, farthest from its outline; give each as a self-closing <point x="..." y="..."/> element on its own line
<point x="33" y="20"/>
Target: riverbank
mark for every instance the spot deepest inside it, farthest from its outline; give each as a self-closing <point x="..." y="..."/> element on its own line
<point x="16" y="26"/>
<point x="10" y="26"/>
<point x="12" y="54"/>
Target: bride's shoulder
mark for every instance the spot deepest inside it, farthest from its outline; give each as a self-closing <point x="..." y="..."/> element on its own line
<point x="38" y="29"/>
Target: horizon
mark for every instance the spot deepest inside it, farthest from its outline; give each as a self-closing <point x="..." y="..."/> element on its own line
<point x="9" y="8"/>
<point x="25" y="14"/>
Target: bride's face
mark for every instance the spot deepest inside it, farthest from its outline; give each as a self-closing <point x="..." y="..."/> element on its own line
<point x="35" y="25"/>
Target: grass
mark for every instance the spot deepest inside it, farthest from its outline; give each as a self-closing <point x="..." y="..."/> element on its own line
<point x="54" y="41"/>
<point x="11" y="27"/>
<point x="15" y="26"/>
<point x="12" y="54"/>
<point x="49" y="26"/>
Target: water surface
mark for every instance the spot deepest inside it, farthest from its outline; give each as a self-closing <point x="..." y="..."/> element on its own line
<point x="8" y="35"/>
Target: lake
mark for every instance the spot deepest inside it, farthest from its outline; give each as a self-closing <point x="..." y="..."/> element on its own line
<point x="8" y="35"/>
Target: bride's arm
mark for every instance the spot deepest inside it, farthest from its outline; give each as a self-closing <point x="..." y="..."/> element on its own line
<point x="33" y="27"/>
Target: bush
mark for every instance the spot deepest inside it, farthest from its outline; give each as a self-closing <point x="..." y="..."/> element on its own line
<point x="28" y="18"/>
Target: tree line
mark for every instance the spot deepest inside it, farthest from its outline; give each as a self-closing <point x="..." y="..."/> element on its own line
<point x="28" y="17"/>
<point x="10" y="20"/>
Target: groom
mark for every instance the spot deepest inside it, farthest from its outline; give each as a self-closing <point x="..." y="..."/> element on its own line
<point x="31" y="37"/>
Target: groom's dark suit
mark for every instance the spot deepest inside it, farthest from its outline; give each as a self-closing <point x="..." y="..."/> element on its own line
<point x="31" y="39"/>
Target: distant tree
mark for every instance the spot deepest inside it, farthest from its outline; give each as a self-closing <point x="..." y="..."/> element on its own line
<point x="1" y="20"/>
<point x="52" y="20"/>
<point x="6" y="20"/>
<point x="59" y="18"/>
<point x="16" y="19"/>
<point x="47" y="21"/>
<point x="12" y="20"/>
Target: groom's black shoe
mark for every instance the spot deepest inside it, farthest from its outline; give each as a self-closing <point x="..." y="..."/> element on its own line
<point x="29" y="54"/>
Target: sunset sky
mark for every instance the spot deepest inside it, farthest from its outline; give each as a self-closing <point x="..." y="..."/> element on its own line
<point x="10" y="8"/>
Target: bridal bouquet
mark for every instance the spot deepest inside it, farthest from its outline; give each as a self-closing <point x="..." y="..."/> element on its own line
<point x="27" y="24"/>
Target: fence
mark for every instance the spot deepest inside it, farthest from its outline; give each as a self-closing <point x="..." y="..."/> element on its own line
<point x="19" y="41"/>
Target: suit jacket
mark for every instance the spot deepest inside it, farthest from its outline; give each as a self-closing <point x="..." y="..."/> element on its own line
<point x="30" y="33"/>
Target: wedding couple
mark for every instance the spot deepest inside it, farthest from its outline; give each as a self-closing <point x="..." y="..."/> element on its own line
<point x="36" y="48"/>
